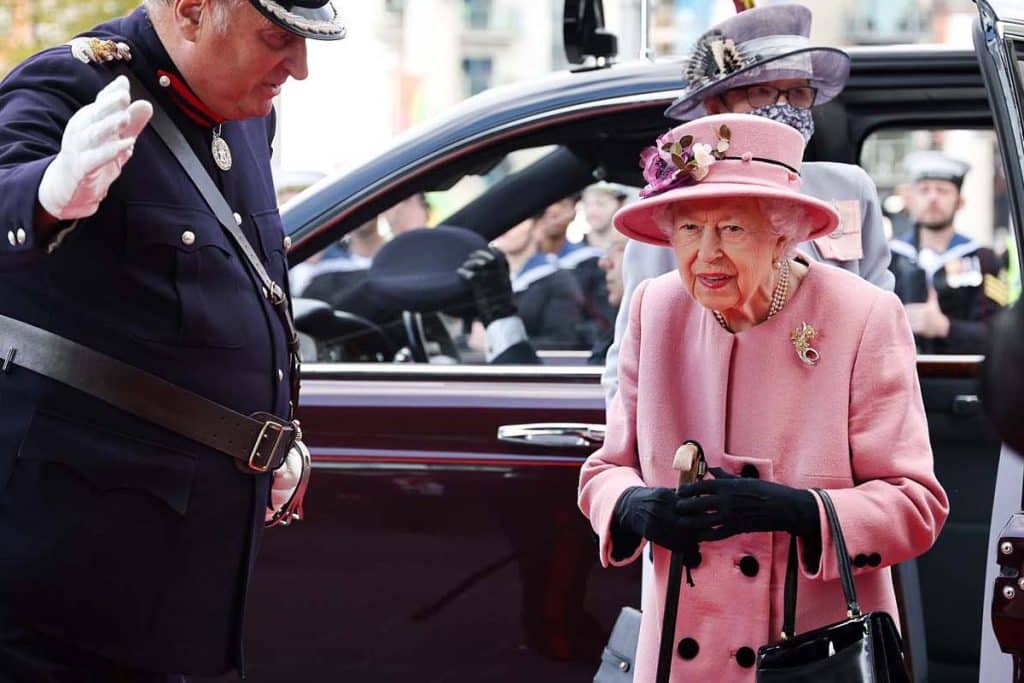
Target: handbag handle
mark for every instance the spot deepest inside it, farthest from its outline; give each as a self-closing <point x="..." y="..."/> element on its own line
<point x="842" y="560"/>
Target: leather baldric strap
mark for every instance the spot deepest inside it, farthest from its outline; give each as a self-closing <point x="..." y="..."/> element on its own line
<point x="259" y="441"/>
<point x="196" y="172"/>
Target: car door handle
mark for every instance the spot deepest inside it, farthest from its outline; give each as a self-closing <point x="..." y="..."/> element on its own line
<point x="966" y="404"/>
<point x="556" y="434"/>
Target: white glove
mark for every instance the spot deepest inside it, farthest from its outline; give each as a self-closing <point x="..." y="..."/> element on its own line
<point x="285" y="479"/>
<point x="98" y="141"/>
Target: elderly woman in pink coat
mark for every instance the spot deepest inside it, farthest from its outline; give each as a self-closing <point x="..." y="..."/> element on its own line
<point x="792" y="375"/>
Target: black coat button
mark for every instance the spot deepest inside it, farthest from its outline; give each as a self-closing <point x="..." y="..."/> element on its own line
<point x="750" y="472"/>
<point x="861" y="560"/>
<point x="874" y="559"/>
<point x="688" y="648"/>
<point x="749" y="565"/>
<point x="745" y="657"/>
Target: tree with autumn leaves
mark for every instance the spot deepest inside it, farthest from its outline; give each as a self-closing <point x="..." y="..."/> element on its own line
<point x="28" y="26"/>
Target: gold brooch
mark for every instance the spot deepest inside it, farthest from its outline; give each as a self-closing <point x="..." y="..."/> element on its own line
<point x="97" y="51"/>
<point x="801" y="339"/>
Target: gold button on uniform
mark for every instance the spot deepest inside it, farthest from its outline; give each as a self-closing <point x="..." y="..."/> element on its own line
<point x="188" y="238"/>
<point x="165" y="82"/>
<point x="10" y="238"/>
<point x="21" y="236"/>
<point x="238" y="219"/>
<point x="287" y="242"/>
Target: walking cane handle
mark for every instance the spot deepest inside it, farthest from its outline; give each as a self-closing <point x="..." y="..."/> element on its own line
<point x="689" y="461"/>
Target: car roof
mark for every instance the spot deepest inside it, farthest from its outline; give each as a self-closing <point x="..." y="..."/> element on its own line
<point x="515" y="106"/>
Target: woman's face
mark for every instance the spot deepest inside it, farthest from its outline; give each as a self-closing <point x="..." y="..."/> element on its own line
<point x="725" y="250"/>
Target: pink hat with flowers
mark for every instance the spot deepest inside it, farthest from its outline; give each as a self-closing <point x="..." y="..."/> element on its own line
<point x="726" y="156"/>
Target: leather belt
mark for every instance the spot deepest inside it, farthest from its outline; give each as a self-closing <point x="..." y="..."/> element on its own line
<point x="259" y="442"/>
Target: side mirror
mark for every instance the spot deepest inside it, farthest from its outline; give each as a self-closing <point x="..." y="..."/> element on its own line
<point x="583" y="32"/>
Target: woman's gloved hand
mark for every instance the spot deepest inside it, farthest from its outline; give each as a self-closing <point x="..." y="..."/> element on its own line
<point x="650" y="513"/>
<point x="728" y="505"/>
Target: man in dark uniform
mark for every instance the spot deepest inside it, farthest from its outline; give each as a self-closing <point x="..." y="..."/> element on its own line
<point x="127" y="547"/>
<point x="547" y="296"/>
<point x="948" y="283"/>
<point x="581" y="259"/>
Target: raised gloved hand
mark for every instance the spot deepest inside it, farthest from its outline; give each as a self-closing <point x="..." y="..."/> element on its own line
<point x="486" y="270"/>
<point x="285" y="480"/>
<point x="728" y="505"/>
<point x="651" y="513"/>
<point x="98" y="141"/>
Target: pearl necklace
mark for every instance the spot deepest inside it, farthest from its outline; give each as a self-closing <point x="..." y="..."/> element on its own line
<point x="778" y="296"/>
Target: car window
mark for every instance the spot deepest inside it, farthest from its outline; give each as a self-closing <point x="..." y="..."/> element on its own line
<point x="406" y="307"/>
<point x="947" y="214"/>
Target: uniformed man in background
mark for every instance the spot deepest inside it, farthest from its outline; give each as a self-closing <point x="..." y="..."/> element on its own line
<point x="949" y="283"/>
<point x="128" y="545"/>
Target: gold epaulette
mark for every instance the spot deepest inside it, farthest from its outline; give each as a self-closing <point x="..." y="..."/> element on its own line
<point x="98" y="51"/>
<point x="996" y="289"/>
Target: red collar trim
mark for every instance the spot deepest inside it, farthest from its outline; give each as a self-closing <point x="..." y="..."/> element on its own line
<point x="187" y="101"/>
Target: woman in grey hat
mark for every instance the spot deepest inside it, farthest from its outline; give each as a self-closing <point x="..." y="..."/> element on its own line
<point x="761" y="62"/>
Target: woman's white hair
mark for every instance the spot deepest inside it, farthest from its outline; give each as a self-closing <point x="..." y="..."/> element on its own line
<point x="786" y="219"/>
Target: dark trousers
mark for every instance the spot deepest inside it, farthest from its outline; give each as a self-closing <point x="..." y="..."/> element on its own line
<point x="30" y="657"/>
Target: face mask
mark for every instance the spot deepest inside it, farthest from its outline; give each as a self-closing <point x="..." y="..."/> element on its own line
<point x="800" y="119"/>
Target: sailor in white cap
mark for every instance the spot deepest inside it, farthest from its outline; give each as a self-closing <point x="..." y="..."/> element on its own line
<point x="949" y="284"/>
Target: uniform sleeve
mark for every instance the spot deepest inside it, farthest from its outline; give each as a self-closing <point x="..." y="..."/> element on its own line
<point x="897" y="507"/>
<point x="615" y="467"/>
<point x="505" y="334"/>
<point x="971" y="335"/>
<point x="874" y="265"/>
<point x="36" y="101"/>
<point x="639" y="262"/>
<point x="562" y="316"/>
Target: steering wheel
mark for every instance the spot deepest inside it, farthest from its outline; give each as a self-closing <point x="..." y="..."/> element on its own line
<point x="341" y="336"/>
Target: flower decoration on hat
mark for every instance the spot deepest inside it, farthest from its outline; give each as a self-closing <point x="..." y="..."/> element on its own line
<point x="714" y="56"/>
<point x="678" y="161"/>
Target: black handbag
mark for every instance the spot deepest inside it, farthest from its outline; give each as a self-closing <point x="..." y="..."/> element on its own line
<point x="863" y="647"/>
<point x="619" y="654"/>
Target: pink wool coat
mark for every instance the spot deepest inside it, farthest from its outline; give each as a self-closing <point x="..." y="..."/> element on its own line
<point x="853" y="424"/>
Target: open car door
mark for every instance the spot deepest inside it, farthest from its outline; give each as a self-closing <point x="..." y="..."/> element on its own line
<point x="999" y="45"/>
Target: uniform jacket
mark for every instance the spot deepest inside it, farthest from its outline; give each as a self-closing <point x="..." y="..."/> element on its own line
<point x="853" y="424"/>
<point x="966" y="281"/>
<point x="118" y="536"/>
<point x="582" y="260"/>
<point x="857" y="245"/>
<point x="551" y="304"/>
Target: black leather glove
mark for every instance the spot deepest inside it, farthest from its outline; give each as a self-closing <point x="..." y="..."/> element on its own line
<point x="486" y="271"/>
<point x="650" y="513"/>
<point x="728" y="505"/>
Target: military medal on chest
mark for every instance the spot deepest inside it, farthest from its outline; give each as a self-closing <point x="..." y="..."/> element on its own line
<point x="221" y="151"/>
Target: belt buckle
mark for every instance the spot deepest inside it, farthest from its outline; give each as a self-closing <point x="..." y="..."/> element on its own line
<point x="257" y="462"/>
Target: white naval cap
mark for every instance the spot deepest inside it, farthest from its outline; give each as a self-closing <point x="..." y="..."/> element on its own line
<point x="934" y="165"/>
